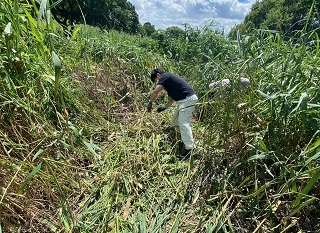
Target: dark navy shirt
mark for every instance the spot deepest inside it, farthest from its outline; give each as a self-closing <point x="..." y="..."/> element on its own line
<point x="177" y="88"/>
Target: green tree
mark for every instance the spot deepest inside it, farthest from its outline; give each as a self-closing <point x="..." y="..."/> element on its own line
<point x="175" y="32"/>
<point x="121" y="16"/>
<point x="147" y="29"/>
<point x="260" y="11"/>
<point x="68" y="12"/>
<point x="109" y="14"/>
<point x="298" y="12"/>
<point x="285" y="16"/>
<point x="262" y="15"/>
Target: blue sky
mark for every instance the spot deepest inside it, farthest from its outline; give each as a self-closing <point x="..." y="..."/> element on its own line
<point x="166" y="13"/>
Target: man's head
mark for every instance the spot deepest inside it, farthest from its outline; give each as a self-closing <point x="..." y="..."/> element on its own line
<point x="154" y="74"/>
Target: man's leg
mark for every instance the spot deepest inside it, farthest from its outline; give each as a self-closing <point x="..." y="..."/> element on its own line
<point x="184" y="120"/>
<point x="186" y="108"/>
<point x="175" y="122"/>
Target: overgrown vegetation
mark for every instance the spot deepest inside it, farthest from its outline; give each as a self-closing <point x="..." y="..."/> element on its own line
<point x="79" y="153"/>
<point x="283" y="16"/>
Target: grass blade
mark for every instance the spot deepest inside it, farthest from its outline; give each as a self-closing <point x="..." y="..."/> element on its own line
<point x="32" y="174"/>
<point x="308" y="187"/>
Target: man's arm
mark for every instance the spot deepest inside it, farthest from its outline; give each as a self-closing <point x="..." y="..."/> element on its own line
<point x="153" y="96"/>
<point x="155" y="93"/>
<point x="170" y="102"/>
<point x="162" y="108"/>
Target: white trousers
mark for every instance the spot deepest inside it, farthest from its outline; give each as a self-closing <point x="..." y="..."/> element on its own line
<point x="182" y="119"/>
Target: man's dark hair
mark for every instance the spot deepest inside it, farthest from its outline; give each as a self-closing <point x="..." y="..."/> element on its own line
<point x="155" y="72"/>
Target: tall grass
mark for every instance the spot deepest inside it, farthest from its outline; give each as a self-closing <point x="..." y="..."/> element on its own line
<point x="37" y="137"/>
<point x="267" y="131"/>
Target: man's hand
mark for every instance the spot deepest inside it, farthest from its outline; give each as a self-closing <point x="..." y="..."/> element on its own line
<point x="149" y="106"/>
<point x="161" y="109"/>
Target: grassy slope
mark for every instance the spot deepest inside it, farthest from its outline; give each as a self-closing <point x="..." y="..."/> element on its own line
<point x="94" y="160"/>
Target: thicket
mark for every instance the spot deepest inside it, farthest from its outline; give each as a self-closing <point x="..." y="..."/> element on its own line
<point x="282" y="16"/>
<point x="79" y="153"/>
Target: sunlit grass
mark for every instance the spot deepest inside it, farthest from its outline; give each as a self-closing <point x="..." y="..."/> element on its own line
<point x="79" y="153"/>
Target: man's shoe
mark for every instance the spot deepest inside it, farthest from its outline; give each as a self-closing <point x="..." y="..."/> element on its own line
<point x="184" y="155"/>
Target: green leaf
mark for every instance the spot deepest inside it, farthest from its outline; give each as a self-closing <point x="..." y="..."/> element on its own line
<point x="52" y="227"/>
<point x="166" y="158"/>
<point x="302" y="103"/>
<point x="310" y="105"/>
<point x="263" y="146"/>
<point x="32" y="174"/>
<point x="259" y="156"/>
<point x="48" y="16"/>
<point x="33" y="26"/>
<point x="42" y="10"/>
<point x="57" y="65"/>
<point x="75" y="33"/>
<point x="314" y="145"/>
<point x="37" y="154"/>
<point x="246" y="180"/>
<point x="292" y="90"/>
<point x="55" y="4"/>
<point x="314" y="157"/>
<point x="143" y="224"/>
<point x="91" y="147"/>
<point x="309" y="16"/>
<point x="307" y="188"/>
<point x="65" y="217"/>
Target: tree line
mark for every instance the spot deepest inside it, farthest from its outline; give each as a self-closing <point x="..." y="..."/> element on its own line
<point x="285" y="16"/>
<point x="119" y="15"/>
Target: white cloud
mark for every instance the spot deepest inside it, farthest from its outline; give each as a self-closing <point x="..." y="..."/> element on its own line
<point x="166" y="13"/>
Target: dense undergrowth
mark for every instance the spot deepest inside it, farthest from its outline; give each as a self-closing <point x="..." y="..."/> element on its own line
<point x="79" y="153"/>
